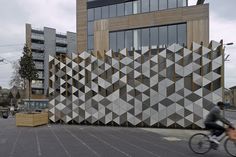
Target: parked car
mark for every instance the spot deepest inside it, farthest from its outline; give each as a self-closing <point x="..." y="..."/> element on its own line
<point x="5" y="115"/>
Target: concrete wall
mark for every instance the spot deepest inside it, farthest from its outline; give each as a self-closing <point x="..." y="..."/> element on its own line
<point x="49" y="49"/>
<point x="71" y="42"/>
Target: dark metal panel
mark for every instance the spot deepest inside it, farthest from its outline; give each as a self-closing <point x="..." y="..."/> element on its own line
<point x="100" y="3"/>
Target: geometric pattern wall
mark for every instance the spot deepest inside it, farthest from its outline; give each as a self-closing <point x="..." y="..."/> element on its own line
<point x="173" y="87"/>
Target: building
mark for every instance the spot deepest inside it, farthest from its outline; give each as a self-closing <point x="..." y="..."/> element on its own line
<point x="4" y="93"/>
<point x="45" y="42"/>
<point x="233" y="91"/>
<point x="227" y="96"/>
<point x="174" y="87"/>
<point x="133" y="24"/>
<point x="161" y="70"/>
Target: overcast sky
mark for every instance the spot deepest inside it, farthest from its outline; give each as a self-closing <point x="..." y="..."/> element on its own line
<point x="61" y="15"/>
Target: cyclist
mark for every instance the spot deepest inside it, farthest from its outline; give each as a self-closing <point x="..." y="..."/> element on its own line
<point x="211" y="119"/>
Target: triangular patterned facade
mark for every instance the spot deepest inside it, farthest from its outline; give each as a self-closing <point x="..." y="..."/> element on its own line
<point x="175" y="87"/>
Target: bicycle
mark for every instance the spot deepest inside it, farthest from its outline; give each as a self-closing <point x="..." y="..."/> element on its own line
<point x="199" y="143"/>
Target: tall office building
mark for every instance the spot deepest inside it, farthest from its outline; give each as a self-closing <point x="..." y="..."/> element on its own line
<point x="156" y="83"/>
<point x="133" y="24"/>
<point x="43" y="43"/>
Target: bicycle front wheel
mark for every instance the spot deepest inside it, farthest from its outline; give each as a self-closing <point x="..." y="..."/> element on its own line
<point x="230" y="147"/>
<point x="199" y="143"/>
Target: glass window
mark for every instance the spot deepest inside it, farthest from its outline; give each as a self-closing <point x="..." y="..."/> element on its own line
<point x="145" y="37"/>
<point x="182" y="3"/>
<point x="145" y="6"/>
<point x="90" y="14"/>
<point x="136" y="7"/>
<point x="90" y="42"/>
<point x="112" y="41"/>
<point x="37" y="84"/>
<point x="120" y="40"/>
<point x="121" y="9"/>
<point x="154" y="37"/>
<point x="153" y="5"/>
<point x="137" y="39"/>
<point x="129" y="40"/>
<point x="90" y="28"/>
<point x="182" y="34"/>
<point x="162" y="36"/>
<point x="172" y="3"/>
<point x="172" y="34"/>
<point x="38" y="64"/>
<point x="105" y="12"/>
<point x="112" y="11"/>
<point x="128" y="8"/>
<point x="37" y="92"/>
<point x="162" y="4"/>
<point x="98" y="13"/>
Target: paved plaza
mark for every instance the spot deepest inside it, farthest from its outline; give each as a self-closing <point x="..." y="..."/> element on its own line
<point x="95" y="141"/>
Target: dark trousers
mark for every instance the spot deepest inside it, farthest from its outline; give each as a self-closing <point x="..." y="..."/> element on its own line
<point x="216" y="129"/>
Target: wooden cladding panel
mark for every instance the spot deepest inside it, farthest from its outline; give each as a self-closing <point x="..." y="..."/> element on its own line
<point x="198" y="31"/>
<point x="164" y="17"/>
<point x="101" y="35"/>
<point x="81" y="22"/>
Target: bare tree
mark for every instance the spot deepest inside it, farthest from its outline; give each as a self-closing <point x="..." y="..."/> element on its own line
<point x="16" y="79"/>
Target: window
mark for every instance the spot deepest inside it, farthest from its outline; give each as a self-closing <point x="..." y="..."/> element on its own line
<point x="137" y="39"/>
<point x="182" y="34"/>
<point x="105" y="12"/>
<point x="128" y="8"/>
<point x="129" y="40"/>
<point x="136" y="7"/>
<point x="172" y="34"/>
<point x="145" y="6"/>
<point x="172" y="3"/>
<point x="37" y="84"/>
<point x="90" y="28"/>
<point x="120" y="9"/>
<point x="154" y="37"/>
<point x="90" y="42"/>
<point x="120" y="40"/>
<point x="162" y="4"/>
<point x="162" y="36"/>
<point x="90" y="14"/>
<point x="37" y="92"/>
<point x="98" y="13"/>
<point x="112" y="11"/>
<point x="112" y="40"/>
<point x="153" y="5"/>
<point x="145" y="37"/>
<point x="37" y="41"/>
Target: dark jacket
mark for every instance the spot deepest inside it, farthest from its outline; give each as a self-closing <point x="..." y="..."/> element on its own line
<point x="214" y="115"/>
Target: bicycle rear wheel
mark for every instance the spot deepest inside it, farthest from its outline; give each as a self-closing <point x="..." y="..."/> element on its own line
<point x="199" y="143"/>
<point x="230" y="147"/>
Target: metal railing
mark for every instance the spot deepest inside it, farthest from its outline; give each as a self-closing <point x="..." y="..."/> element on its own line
<point x="37" y="46"/>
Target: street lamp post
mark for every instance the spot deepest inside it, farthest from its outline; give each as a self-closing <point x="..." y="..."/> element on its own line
<point x="226" y="59"/>
<point x="227" y="44"/>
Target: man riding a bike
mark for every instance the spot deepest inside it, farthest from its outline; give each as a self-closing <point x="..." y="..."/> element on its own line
<point x="211" y="122"/>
